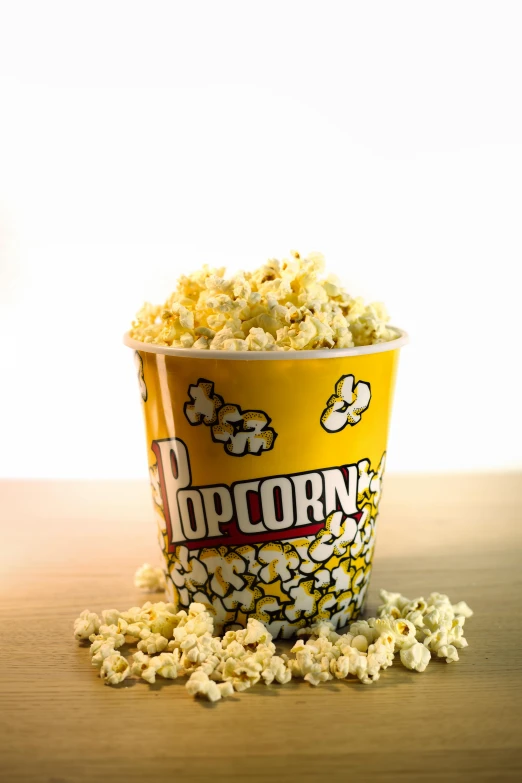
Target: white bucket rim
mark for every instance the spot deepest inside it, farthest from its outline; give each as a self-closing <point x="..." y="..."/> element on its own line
<point x="400" y="341"/>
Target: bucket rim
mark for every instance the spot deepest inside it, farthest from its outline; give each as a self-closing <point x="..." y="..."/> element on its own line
<point x="400" y="341"/>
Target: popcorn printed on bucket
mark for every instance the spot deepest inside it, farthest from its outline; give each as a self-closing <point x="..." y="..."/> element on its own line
<point x="346" y="405"/>
<point x="284" y="305"/>
<point x="217" y="667"/>
<point x="241" y="432"/>
<point x="285" y="584"/>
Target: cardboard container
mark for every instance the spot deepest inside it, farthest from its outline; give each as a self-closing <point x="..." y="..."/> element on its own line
<point x="266" y="471"/>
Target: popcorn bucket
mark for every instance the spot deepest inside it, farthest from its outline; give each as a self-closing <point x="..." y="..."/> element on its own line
<point x="266" y="471"/>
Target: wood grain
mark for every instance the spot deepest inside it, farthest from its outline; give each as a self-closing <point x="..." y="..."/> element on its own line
<point x="66" y="546"/>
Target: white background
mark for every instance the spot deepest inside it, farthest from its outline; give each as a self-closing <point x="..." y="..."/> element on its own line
<point x="141" y="139"/>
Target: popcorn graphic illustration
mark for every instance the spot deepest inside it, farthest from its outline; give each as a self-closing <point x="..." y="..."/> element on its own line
<point x="138" y="361"/>
<point x="204" y="405"/>
<point x="241" y="432"/>
<point x="346" y="405"/>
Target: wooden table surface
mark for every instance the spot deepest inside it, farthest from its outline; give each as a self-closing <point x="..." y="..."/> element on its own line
<point x="66" y="546"/>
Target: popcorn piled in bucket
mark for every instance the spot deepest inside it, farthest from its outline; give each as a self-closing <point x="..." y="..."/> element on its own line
<point x="282" y="306"/>
<point x="172" y="644"/>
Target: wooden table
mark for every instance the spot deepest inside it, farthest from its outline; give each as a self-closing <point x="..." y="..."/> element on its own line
<point x="67" y="546"/>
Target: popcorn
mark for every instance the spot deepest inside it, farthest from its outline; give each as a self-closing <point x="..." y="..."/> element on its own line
<point x="132" y="615"/>
<point x="360" y="643"/>
<point x="197" y="622"/>
<point x="217" y="667"/>
<point x="226" y="689"/>
<point x="255" y="633"/>
<point x="462" y="609"/>
<point x="320" y="628"/>
<point x="312" y="660"/>
<point x="276" y="670"/>
<point x="360" y="659"/>
<point x="159" y="618"/>
<point x="140" y="662"/>
<point x="281" y="306"/>
<point x="439" y="625"/>
<point x="153" y="643"/>
<point x="199" y="684"/>
<point x="356" y="663"/>
<point x="264" y="654"/>
<point x="114" y="669"/>
<point x="85" y="625"/>
<point x="402" y="630"/>
<point x="109" y="632"/>
<point x="100" y="650"/>
<point x="381" y="652"/>
<point x="243" y="672"/>
<point x="416" y="657"/>
<point x="165" y="665"/>
<point x="148" y="578"/>
<point x="449" y="652"/>
<point x="110" y="617"/>
<point x="197" y="650"/>
<point x="363" y="628"/>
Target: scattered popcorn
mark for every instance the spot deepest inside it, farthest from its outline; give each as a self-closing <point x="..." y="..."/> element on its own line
<point x="100" y="650"/>
<point x="110" y="617"/>
<point x="226" y="689"/>
<point x="132" y="615"/>
<point x="199" y="684"/>
<point x="114" y="669"/>
<point x="276" y="670"/>
<point x="284" y="305"/>
<point x="140" y="662"/>
<point x="462" y="609"/>
<point x="149" y="579"/>
<point x="402" y="630"/>
<point x="86" y="624"/>
<point x="243" y="672"/>
<point x="173" y="644"/>
<point x="312" y="660"/>
<point x="438" y="623"/>
<point x="153" y="643"/>
<point x="165" y="665"/>
<point x="449" y="652"/>
<point x="112" y="632"/>
<point x="360" y="643"/>
<point x="416" y="657"/>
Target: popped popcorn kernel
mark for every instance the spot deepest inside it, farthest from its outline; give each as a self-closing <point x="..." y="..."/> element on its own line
<point x="462" y="609"/>
<point x="277" y="670"/>
<point x="416" y="657"/>
<point x="199" y="684"/>
<point x="110" y="617"/>
<point x="153" y="643"/>
<point x="166" y="665"/>
<point x="226" y="689"/>
<point x="243" y="672"/>
<point x="148" y="578"/>
<point x="286" y="305"/>
<point x="100" y="650"/>
<point x="106" y="632"/>
<point x="85" y="625"/>
<point x="140" y="662"/>
<point x="360" y="643"/>
<point x="114" y="669"/>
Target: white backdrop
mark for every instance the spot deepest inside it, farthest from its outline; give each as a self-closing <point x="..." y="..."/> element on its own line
<point x="140" y="139"/>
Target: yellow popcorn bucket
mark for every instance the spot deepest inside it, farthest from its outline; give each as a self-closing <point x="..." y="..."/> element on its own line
<point x="266" y="471"/>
